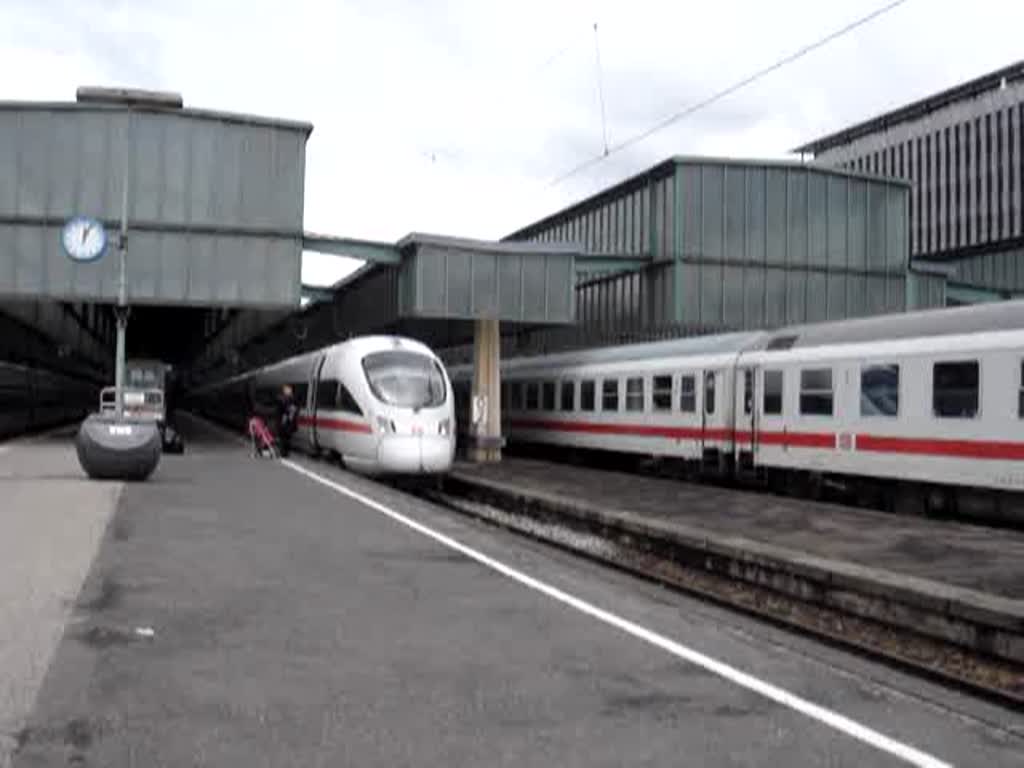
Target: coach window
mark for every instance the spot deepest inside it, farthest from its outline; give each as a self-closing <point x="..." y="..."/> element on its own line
<point x="327" y="394"/>
<point x="880" y="390"/>
<point x="955" y="390"/>
<point x="816" y="392"/>
<point x="635" y="394"/>
<point x="568" y="396"/>
<point x="1020" y="394"/>
<point x="662" y="393"/>
<point x="346" y="402"/>
<point x="709" y="392"/>
<point x="515" y="395"/>
<point x="587" y="395"/>
<point x="532" y="395"/>
<point x="748" y="391"/>
<point x="610" y="395"/>
<point x="772" y="393"/>
<point x="549" y="395"/>
<point x="688" y="393"/>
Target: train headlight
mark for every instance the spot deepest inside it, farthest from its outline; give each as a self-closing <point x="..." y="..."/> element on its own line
<point x="385" y="425"/>
<point x="444" y="427"/>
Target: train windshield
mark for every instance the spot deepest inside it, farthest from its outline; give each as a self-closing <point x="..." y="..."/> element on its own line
<point x="405" y="379"/>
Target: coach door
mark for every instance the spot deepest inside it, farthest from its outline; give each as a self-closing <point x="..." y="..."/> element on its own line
<point x="316" y="400"/>
<point x="746" y="416"/>
<point x="709" y="417"/>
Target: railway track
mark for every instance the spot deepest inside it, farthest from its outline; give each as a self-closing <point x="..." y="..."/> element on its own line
<point x="955" y="667"/>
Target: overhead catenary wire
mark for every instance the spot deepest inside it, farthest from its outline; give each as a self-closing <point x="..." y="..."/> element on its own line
<point x="575" y="40"/>
<point x="552" y="58"/>
<point x="728" y="91"/>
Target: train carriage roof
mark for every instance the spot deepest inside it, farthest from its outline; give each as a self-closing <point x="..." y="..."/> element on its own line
<point x="977" y="318"/>
<point x="724" y="343"/>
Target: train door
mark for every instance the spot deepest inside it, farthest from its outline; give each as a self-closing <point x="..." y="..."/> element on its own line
<point x="745" y="416"/>
<point x="504" y="407"/>
<point x="709" y="432"/>
<point x="314" y="400"/>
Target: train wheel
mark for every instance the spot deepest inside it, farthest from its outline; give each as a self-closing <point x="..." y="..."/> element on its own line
<point x="868" y="495"/>
<point x="908" y="499"/>
<point x="817" y="486"/>
<point x="939" y="502"/>
<point x="795" y="483"/>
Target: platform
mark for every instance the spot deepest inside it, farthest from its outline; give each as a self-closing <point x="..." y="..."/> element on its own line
<point x="52" y="520"/>
<point x="974" y="557"/>
<point x="954" y="582"/>
<point x="247" y="612"/>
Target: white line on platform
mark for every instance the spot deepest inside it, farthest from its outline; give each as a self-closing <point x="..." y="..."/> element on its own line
<point x="743" y="679"/>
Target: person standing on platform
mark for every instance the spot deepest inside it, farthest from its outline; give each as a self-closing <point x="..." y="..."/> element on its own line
<point x="287" y="417"/>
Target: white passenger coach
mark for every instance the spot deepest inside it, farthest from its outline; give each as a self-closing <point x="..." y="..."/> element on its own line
<point x="922" y="409"/>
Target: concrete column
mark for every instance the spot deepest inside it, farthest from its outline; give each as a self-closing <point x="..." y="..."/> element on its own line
<point x="485" y="428"/>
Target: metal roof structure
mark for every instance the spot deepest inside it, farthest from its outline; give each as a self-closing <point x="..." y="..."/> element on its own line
<point x="483" y="246"/>
<point x="667" y="168"/>
<point x="364" y="250"/>
<point x="917" y="109"/>
<point x="440" y="287"/>
<point x="455" y="278"/>
<point x="213" y="200"/>
<point x="717" y="243"/>
<point x="89" y="101"/>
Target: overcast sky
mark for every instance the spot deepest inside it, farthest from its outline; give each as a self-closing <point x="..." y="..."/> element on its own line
<point x="455" y="117"/>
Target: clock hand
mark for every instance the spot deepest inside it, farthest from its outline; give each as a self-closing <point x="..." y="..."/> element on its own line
<point x="85" y="233"/>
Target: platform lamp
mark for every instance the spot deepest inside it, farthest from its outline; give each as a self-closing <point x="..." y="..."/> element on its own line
<point x="117" y="447"/>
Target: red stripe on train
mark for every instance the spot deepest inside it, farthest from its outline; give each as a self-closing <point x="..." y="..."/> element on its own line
<point x="631" y="430"/>
<point x="797" y="439"/>
<point x="636" y="430"/>
<point x="788" y="439"/>
<point x="341" y="425"/>
<point x="971" y="449"/>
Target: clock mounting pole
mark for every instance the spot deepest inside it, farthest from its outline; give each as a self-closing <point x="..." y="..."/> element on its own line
<point x="121" y="311"/>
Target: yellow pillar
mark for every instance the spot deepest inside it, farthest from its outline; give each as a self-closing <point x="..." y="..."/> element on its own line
<point x="486" y="406"/>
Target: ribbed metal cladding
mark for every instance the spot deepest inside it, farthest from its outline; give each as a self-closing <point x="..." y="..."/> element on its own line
<point x="450" y="278"/>
<point x="771" y="245"/>
<point x="1001" y="270"/>
<point x="215" y="203"/>
<point x="965" y="159"/>
<point x="629" y="219"/>
<point x="740" y="245"/>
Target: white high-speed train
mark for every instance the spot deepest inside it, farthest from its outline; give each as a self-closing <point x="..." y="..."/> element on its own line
<point x="922" y="410"/>
<point x="382" y="404"/>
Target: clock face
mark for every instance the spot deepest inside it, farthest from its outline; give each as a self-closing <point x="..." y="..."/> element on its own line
<point x="84" y="239"/>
